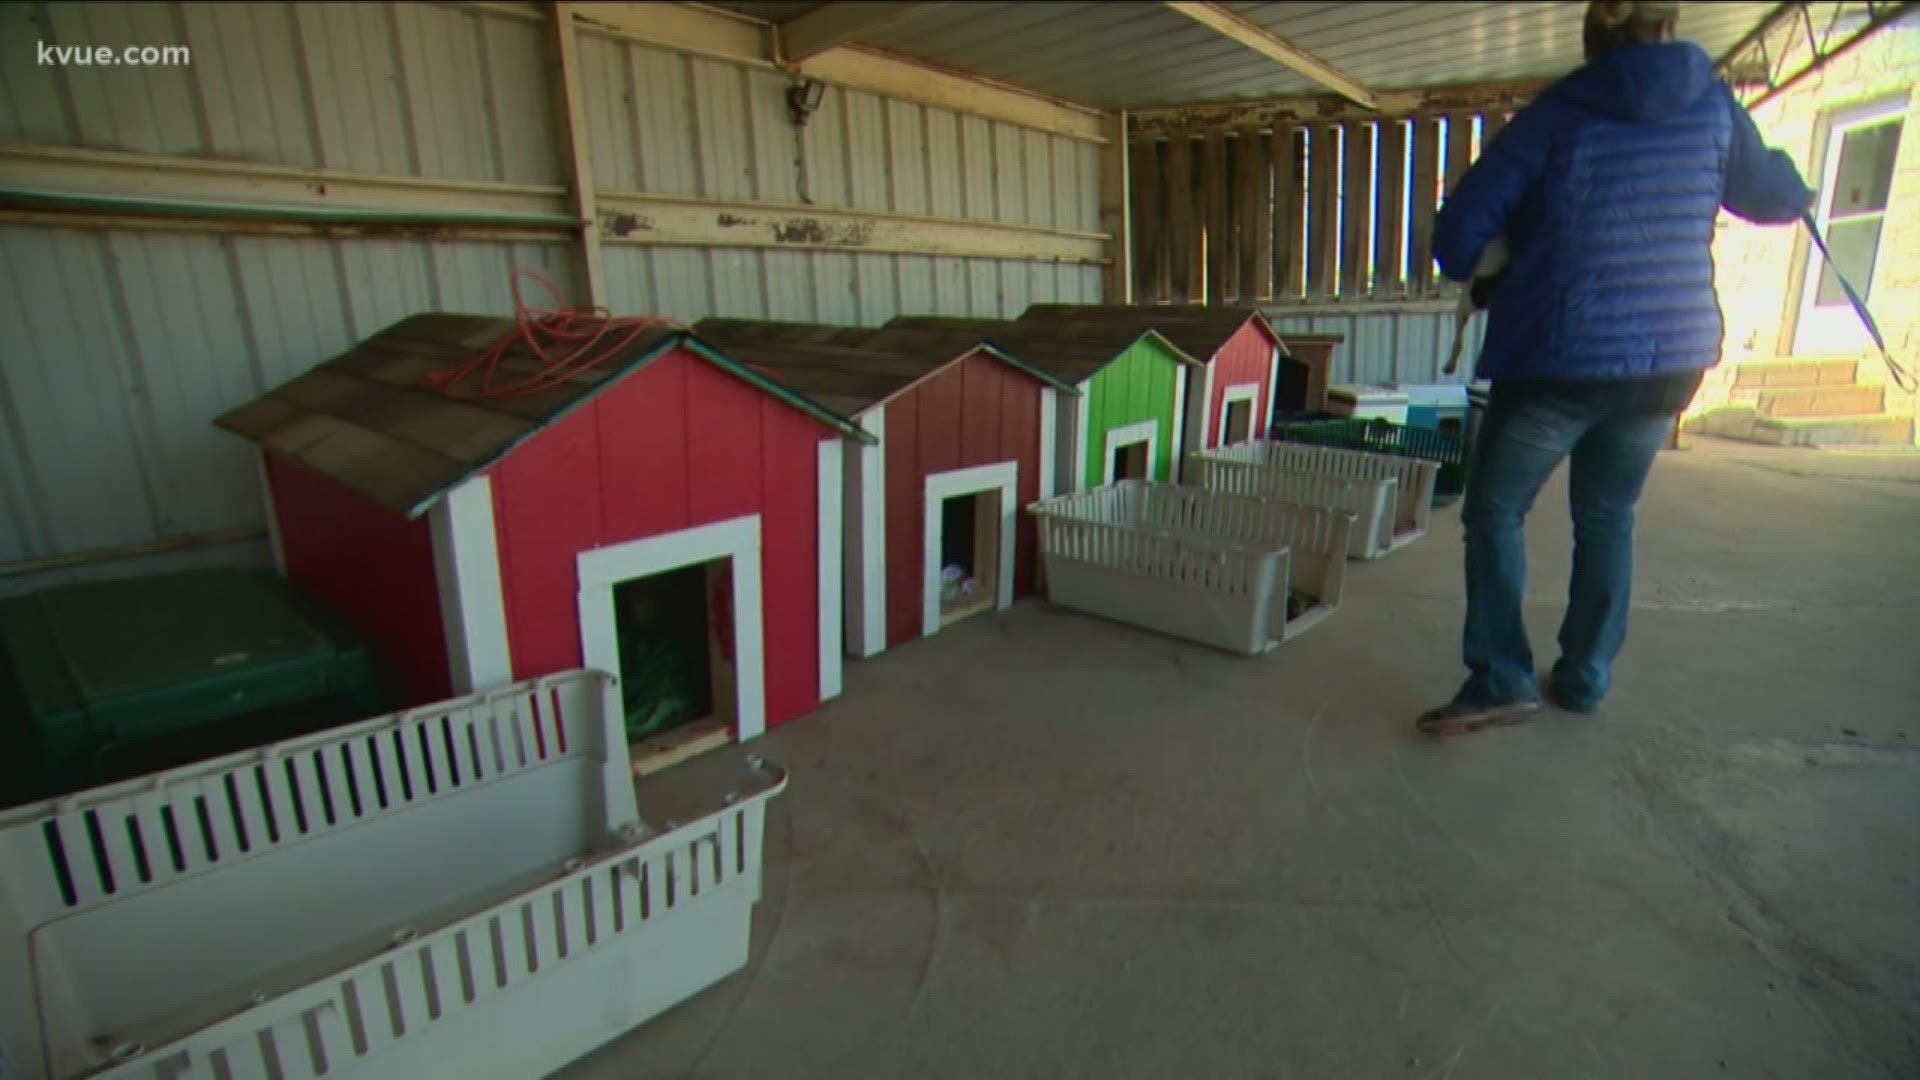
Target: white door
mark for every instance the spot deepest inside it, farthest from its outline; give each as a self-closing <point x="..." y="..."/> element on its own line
<point x="1852" y="209"/>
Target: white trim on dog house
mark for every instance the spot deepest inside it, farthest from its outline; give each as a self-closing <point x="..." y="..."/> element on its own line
<point x="1049" y="422"/>
<point x="1179" y="426"/>
<point x="1146" y="431"/>
<point x="1206" y="404"/>
<point x="274" y="546"/>
<point x="1273" y="396"/>
<point x="1247" y="392"/>
<point x="1003" y="477"/>
<point x="1082" y="423"/>
<point x="830" y="554"/>
<point x="473" y="607"/>
<point x="738" y="541"/>
<point x="865" y="537"/>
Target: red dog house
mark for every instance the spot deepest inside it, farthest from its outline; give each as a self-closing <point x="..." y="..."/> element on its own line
<point x="1231" y="396"/>
<point x="935" y="530"/>
<point x="479" y="542"/>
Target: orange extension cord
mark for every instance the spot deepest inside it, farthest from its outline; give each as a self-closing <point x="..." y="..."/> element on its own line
<point x="566" y="341"/>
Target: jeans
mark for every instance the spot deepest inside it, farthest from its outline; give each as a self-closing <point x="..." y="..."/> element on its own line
<point x="1613" y="435"/>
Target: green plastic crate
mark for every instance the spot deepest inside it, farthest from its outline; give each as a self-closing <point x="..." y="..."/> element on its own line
<point x="1386" y="437"/>
<point x="107" y="680"/>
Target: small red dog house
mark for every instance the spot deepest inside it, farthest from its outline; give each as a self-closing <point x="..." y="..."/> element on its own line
<point x="935" y="530"/>
<point x="1231" y="395"/>
<point x="478" y="542"/>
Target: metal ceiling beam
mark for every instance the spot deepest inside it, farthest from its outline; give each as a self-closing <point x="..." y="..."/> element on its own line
<point x="832" y="25"/>
<point x="1229" y="24"/>
<point x="1760" y="59"/>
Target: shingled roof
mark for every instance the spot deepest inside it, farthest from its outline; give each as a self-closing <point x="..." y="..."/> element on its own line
<point x="1072" y="352"/>
<point x="366" y="420"/>
<point x="1197" y="329"/>
<point x="852" y="369"/>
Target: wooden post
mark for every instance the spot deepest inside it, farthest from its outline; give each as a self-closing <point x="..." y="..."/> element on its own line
<point x="1390" y="224"/>
<point x="1256" y="228"/>
<point x="1426" y="176"/>
<point x="1323" y="220"/>
<point x="1459" y="147"/>
<point x="1182" y="243"/>
<point x="1289" y="205"/>
<point x="1148" y="211"/>
<point x="576" y="153"/>
<point x="1356" y="208"/>
<point x="1116" y="217"/>
<point x="1213" y="180"/>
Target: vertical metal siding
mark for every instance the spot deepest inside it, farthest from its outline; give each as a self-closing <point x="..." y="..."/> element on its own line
<point x="664" y="123"/>
<point x="1387" y="346"/>
<point x="402" y="89"/>
<point x="125" y="345"/>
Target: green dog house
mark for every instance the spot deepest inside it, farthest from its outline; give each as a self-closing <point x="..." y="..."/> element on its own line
<point x="1128" y="422"/>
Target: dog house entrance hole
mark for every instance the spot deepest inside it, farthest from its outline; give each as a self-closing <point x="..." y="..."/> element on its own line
<point x="969" y="554"/>
<point x="1130" y="461"/>
<point x="675" y="635"/>
<point x="1239" y="421"/>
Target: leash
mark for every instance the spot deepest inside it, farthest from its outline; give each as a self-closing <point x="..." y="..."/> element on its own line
<point x="1901" y="376"/>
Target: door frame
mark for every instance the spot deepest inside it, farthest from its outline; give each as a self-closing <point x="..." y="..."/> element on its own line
<point x="1804" y="276"/>
<point x="1147" y="431"/>
<point x="738" y="541"/>
<point x="1002" y="476"/>
<point x="1248" y="392"/>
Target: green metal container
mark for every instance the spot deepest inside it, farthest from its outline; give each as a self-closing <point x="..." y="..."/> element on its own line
<point x="107" y="680"/>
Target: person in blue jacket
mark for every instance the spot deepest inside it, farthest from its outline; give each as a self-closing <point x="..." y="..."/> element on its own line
<point x="1605" y="189"/>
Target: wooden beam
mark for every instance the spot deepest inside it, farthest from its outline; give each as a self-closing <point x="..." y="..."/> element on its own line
<point x="1422" y="204"/>
<point x="575" y="147"/>
<point x="192" y="182"/>
<point x="1356" y="208"/>
<point x="724" y="36"/>
<point x="214" y="223"/>
<point x="1183" y="244"/>
<point x="1147" y="207"/>
<point x="1329" y="107"/>
<point x="1323" y="220"/>
<point x="1116" y="217"/>
<point x="1390" y="219"/>
<point x="830" y="26"/>
<point x="1231" y="25"/>
<point x="675" y="220"/>
<point x="1359" y="306"/>
<point x="108" y="188"/>
<point x="1213" y="200"/>
<point x="1491" y="122"/>
<point x="1459" y="147"/>
<point x="1256" y="217"/>
<point x="1289" y="196"/>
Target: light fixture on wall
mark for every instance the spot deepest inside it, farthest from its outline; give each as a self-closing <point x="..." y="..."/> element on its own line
<point x="803" y="98"/>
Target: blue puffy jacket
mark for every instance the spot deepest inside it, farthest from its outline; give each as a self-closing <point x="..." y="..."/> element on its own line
<point x="1607" y="187"/>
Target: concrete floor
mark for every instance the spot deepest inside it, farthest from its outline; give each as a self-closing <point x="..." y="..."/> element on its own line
<point x="1046" y="846"/>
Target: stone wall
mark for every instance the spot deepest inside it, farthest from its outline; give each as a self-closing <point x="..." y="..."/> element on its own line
<point x="1756" y="265"/>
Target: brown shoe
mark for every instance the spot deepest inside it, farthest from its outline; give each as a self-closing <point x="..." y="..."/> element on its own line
<point x="1464" y="716"/>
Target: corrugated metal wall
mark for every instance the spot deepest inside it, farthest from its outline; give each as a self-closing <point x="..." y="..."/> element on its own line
<point x="1387" y="346"/>
<point x="665" y="123"/>
<point x="118" y="348"/>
